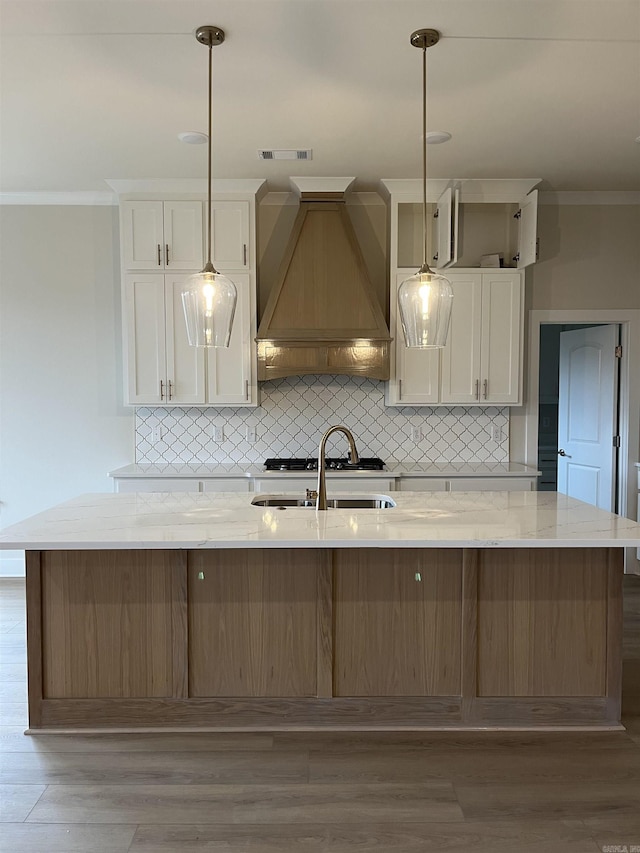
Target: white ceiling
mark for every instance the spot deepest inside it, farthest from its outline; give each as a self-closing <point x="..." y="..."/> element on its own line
<point x="95" y="89"/>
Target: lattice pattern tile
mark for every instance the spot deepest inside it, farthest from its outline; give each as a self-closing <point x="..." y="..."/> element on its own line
<point x="294" y="412"/>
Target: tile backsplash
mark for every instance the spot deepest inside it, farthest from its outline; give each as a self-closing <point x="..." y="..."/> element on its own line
<point x="293" y="414"/>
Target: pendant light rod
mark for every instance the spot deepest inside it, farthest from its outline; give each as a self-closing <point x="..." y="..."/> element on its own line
<point x="209" y="298"/>
<point x="425" y="298"/>
<point x="423" y="39"/>
<point x="209" y="36"/>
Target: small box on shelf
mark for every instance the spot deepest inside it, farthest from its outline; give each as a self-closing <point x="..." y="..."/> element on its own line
<point x="495" y="261"/>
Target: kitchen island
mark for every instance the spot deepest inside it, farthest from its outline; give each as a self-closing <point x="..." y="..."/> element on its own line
<point x="196" y="610"/>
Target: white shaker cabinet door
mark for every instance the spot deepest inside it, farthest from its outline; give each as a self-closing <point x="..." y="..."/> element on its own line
<point x="183" y="235"/>
<point x="528" y="230"/>
<point x="229" y="369"/>
<point x="142" y="234"/>
<point x="461" y="355"/>
<point x="160" y="235"/>
<point x="417" y="370"/>
<point x="501" y="339"/>
<point x="446" y="228"/>
<point x="230" y="246"/>
<point x="145" y="337"/>
<point x="185" y="364"/>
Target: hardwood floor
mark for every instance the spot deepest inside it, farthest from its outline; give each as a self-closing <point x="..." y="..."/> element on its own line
<point x="315" y="793"/>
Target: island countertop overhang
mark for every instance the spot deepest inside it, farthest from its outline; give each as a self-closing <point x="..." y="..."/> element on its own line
<point x="182" y="520"/>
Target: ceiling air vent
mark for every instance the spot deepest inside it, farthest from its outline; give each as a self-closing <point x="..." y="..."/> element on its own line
<point x="284" y="154"/>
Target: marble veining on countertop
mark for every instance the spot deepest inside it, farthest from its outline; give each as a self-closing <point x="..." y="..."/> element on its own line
<point x="228" y="520"/>
<point x="392" y="469"/>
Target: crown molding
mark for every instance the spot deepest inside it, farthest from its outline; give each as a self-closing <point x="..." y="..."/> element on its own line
<point x="88" y="198"/>
<point x="173" y="186"/>
<point x="592" y="197"/>
<point x="472" y="190"/>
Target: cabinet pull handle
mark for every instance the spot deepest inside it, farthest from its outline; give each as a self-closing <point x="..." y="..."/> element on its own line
<point x="244" y="253"/>
<point x="485" y="388"/>
<point x="170" y="388"/>
<point x="246" y="389"/>
<point x="159" y="257"/>
<point x="166" y="253"/>
<point x="477" y="389"/>
<point x="161" y="390"/>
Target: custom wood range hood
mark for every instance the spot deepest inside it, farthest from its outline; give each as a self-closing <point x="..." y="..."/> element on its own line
<point x="323" y="315"/>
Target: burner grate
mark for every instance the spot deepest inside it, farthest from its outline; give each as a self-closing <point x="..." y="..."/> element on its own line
<point x="332" y="464"/>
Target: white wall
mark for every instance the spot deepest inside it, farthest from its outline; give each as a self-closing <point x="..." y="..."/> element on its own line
<point x="589" y="257"/>
<point x="589" y="262"/>
<point x="62" y="423"/>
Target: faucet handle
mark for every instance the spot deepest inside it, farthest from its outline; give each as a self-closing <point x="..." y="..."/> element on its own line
<point x="311" y="495"/>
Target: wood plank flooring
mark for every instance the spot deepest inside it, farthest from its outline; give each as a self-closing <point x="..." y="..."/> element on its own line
<point x="315" y="792"/>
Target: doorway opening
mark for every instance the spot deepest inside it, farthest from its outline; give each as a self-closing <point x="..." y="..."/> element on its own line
<point x="578" y="411"/>
<point x="524" y="425"/>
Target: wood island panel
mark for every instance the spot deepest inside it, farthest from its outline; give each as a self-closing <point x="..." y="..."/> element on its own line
<point x="358" y="639"/>
<point x="107" y="623"/>
<point x="398" y="620"/>
<point x="542" y="622"/>
<point x="252" y="622"/>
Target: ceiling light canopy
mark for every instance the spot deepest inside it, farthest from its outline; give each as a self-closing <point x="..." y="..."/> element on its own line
<point x="437" y="137"/>
<point x="209" y="298"/>
<point x="425" y="299"/>
<point x="193" y="137"/>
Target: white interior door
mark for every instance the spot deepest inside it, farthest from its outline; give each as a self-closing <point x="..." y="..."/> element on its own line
<point x="587" y="415"/>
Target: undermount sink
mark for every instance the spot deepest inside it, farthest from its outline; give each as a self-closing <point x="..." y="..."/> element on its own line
<point x="342" y="502"/>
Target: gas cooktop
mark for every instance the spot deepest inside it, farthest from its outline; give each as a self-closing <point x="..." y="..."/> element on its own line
<point x="332" y="464"/>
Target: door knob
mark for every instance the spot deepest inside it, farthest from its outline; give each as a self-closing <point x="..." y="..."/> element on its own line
<point x="562" y="453"/>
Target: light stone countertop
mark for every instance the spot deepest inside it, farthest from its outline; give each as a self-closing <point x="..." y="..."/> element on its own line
<point x="228" y="520"/>
<point x="392" y="469"/>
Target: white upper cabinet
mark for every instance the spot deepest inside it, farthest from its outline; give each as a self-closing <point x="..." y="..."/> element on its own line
<point x="230" y="242"/>
<point x="162" y="235"/>
<point x="162" y="243"/>
<point x="482" y="233"/>
<point x="446" y="228"/>
<point x="481" y="365"/>
<point x="469" y="219"/>
<point x="482" y="360"/>
<point x="162" y="369"/>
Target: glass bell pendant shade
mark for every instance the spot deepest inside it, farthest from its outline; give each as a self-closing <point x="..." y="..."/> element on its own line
<point x="425" y="301"/>
<point x="209" y="302"/>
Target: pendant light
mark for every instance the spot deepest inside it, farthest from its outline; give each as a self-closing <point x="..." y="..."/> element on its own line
<point x="425" y="299"/>
<point x="209" y="298"/>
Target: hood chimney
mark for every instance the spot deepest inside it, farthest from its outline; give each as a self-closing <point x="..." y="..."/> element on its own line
<point x="322" y="315"/>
